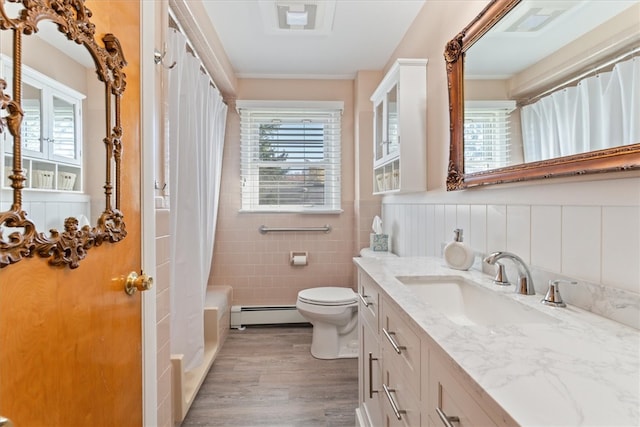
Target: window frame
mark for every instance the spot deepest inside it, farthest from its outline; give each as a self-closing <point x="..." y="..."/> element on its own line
<point x="250" y="149"/>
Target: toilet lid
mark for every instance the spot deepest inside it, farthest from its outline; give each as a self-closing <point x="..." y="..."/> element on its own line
<point x="328" y="296"/>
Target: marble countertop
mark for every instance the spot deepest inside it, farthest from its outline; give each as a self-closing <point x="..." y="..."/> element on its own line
<point x="579" y="370"/>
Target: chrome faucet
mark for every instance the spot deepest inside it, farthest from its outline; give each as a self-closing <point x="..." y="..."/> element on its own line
<point x="525" y="281"/>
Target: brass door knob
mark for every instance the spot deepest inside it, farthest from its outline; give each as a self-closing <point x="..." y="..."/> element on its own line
<point x="5" y="422"/>
<point x="136" y="282"/>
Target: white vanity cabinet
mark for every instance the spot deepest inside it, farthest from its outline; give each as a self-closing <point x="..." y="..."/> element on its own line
<point x="405" y="379"/>
<point x="399" y="145"/>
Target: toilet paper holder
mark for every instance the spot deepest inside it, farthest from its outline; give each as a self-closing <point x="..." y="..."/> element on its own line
<point x="298" y="258"/>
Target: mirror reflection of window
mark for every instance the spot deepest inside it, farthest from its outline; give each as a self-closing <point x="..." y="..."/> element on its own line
<point x="64" y="129"/>
<point x="31" y="129"/>
<point x="489" y="140"/>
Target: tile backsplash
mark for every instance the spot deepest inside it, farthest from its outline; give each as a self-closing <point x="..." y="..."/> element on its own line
<point x="598" y="246"/>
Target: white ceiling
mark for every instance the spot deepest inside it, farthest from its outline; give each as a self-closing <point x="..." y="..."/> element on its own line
<point x="362" y="36"/>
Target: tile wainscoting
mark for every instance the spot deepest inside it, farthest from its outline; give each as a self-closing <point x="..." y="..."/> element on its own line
<point x="598" y="246"/>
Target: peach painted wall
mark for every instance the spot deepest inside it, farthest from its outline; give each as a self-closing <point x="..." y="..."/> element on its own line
<point x="366" y="205"/>
<point x="257" y="265"/>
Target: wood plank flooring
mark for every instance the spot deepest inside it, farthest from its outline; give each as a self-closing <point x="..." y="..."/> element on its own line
<point x="266" y="376"/>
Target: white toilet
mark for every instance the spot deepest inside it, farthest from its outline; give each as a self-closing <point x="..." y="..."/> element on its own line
<point x="333" y="312"/>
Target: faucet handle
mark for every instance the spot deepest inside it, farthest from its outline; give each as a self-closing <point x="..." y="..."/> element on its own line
<point x="553" y="297"/>
<point x="501" y="276"/>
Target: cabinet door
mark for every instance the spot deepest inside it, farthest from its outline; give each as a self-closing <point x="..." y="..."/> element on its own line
<point x="378" y="131"/>
<point x="400" y="407"/>
<point x="391" y="120"/>
<point x="448" y="399"/>
<point x="371" y="375"/>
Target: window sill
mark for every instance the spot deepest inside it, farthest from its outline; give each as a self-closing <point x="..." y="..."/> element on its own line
<point x="295" y="211"/>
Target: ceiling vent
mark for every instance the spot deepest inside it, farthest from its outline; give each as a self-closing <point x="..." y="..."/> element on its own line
<point x="297" y="16"/>
<point x="532" y="16"/>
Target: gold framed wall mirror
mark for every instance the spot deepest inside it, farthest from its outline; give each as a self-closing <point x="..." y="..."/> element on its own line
<point x="60" y="100"/>
<point x="519" y="61"/>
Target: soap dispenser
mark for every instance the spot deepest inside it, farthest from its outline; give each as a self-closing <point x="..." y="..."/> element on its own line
<point x="458" y="255"/>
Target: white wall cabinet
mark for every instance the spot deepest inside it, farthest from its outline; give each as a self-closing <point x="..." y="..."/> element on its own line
<point x="405" y="379"/>
<point x="399" y="146"/>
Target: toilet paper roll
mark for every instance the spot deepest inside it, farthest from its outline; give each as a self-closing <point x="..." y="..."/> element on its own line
<point x="299" y="260"/>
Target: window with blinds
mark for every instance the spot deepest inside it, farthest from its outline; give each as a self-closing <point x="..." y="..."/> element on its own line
<point x="487" y="141"/>
<point x="290" y="158"/>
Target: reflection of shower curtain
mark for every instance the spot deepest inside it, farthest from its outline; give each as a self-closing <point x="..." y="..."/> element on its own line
<point x="600" y="112"/>
<point x="196" y="127"/>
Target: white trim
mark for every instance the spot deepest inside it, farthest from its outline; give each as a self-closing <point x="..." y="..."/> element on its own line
<point x="321" y="105"/>
<point x="148" y="220"/>
<point x="505" y="104"/>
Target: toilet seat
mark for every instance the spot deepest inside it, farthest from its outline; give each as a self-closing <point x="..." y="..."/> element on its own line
<point x="332" y="296"/>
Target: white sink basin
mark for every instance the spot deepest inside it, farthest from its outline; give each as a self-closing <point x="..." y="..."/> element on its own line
<point x="468" y="304"/>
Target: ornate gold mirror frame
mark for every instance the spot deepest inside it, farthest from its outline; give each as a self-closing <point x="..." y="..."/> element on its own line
<point x="608" y="160"/>
<point x="69" y="247"/>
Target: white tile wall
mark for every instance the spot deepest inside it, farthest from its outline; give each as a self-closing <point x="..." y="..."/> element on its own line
<point x="599" y="246"/>
<point x="546" y="237"/>
<point x="621" y="247"/>
<point x="496" y="228"/>
<point x="581" y="242"/>
<point x="519" y="231"/>
<point x="477" y="231"/>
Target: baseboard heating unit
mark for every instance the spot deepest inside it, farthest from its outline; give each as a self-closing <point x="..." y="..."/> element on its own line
<point x="242" y="316"/>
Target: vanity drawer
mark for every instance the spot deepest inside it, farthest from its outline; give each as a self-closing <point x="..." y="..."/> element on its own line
<point x="400" y="345"/>
<point x="369" y="300"/>
<point x="447" y="395"/>
<point x="395" y="393"/>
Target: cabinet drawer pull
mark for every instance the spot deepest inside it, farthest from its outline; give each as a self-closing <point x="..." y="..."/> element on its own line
<point x="394" y="406"/>
<point x="363" y="299"/>
<point x="446" y="419"/>
<point x="371" y="390"/>
<point x="394" y="344"/>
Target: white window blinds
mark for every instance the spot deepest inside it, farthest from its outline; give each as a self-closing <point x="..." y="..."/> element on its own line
<point x="487" y="141"/>
<point x="290" y="157"/>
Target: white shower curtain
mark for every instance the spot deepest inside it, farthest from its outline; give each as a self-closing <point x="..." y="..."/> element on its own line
<point x="600" y="112"/>
<point x="196" y="125"/>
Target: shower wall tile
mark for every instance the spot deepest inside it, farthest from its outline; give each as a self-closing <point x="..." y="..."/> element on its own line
<point x="581" y="242"/>
<point x="163" y="309"/>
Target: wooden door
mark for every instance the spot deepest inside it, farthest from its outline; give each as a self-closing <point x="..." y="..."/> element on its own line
<point x="70" y="340"/>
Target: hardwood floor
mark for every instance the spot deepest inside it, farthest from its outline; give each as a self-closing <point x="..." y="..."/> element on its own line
<point x="266" y="376"/>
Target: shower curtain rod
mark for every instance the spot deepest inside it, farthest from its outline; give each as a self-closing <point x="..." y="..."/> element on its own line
<point x="173" y="23"/>
<point x="579" y="77"/>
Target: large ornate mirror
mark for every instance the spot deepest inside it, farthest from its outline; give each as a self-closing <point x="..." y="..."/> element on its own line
<point x="541" y="89"/>
<point x="60" y="97"/>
